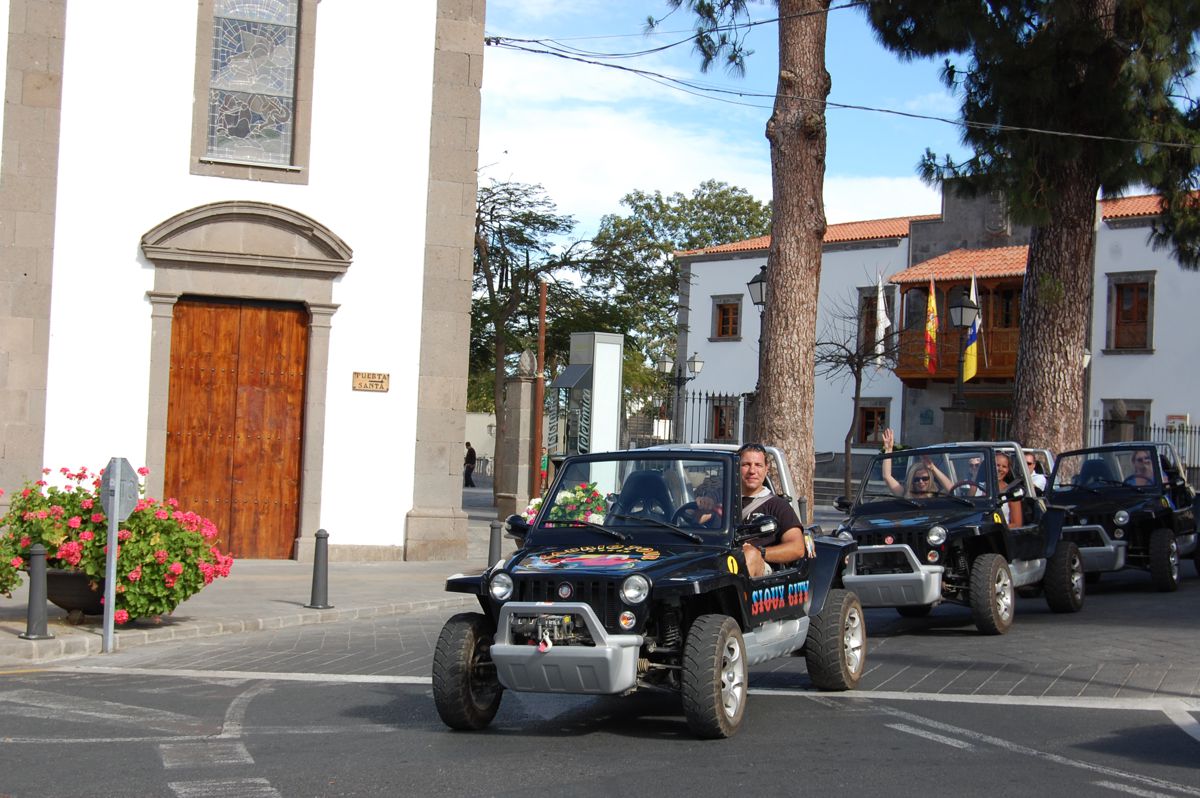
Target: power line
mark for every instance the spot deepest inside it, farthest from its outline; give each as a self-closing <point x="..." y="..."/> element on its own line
<point x="707" y="91"/>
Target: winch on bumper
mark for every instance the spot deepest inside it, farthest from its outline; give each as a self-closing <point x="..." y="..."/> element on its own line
<point x="557" y="657"/>
<point x="909" y="582"/>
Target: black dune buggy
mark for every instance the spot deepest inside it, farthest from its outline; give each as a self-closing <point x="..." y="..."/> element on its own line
<point x="935" y="524"/>
<point x="1128" y="506"/>
<point x="631" y="576"/>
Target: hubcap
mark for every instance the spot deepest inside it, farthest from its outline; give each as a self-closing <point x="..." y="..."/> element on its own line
<point x="733" y="677"/>
<point x="1077" y="577"/>
<point x="1004" y="594"/>
<point x="1174" y="559"/>
<point x="853" y="639"/>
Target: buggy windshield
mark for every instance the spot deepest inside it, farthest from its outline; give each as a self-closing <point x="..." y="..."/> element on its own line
<point x="685" y="495"/>
<point x="920" y="475"/>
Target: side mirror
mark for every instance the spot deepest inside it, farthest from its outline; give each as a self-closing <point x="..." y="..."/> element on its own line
<point x="516" y="527"/>
<point x="816" y="531"/>
<point x="756" y="528"/>
<point x="842" y="503"/>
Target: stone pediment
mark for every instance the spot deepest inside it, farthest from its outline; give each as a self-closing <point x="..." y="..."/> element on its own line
<point x="246" y="235"/>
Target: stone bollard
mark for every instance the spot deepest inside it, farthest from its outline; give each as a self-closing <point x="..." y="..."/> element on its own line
<point x="320" y="583"/>
<point x="35" y="625"/>
<point x="494" y="541"/>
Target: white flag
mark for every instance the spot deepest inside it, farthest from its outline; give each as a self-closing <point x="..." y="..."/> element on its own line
<point x="881" y="321"/>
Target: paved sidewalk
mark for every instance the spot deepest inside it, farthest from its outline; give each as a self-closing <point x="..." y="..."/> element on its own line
<point x="272" y="594"/>
<point x="267" y="594"/>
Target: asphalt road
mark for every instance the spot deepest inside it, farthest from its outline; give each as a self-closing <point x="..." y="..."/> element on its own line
<point x="1105" y="702"/>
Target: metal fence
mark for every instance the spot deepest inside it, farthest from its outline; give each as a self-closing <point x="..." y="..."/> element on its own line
<point x="693" y="417"/>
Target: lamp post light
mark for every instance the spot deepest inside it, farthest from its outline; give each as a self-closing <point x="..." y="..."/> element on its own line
<point x="679" y="378"/>
<point x="757" y="287"/>
<point x="963" y="313"/>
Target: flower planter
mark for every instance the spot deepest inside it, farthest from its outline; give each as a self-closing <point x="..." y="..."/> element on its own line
<point x="71" y="590"/>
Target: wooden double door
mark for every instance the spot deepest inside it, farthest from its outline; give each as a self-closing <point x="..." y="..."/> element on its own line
<point x="235" y="420"/>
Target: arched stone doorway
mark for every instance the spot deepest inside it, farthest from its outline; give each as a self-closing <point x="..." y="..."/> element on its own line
<point x="234" y="255"/>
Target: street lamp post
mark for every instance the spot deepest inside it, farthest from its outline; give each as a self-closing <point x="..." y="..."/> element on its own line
<point x="679" y="379"/>
<point x="963" y="313"/>
<point x="757" y="287"/>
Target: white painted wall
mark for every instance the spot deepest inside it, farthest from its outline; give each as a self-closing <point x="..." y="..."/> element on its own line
<point x="732" y="366"/>
<point x="4" y="9"/>
<point x="126" y="132"/>
<point x="1169" y="377"/>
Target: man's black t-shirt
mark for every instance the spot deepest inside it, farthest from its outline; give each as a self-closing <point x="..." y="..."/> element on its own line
<point x="778" y="508"/>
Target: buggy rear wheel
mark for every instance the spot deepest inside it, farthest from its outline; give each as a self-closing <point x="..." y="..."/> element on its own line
<point x="1164" y="560"/>
<point x="1064" y="579"/>
<point x="991" y="594"/>
<point x="836" y="648"/>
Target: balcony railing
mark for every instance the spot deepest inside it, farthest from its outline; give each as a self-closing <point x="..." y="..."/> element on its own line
<point x="997" y="358"/>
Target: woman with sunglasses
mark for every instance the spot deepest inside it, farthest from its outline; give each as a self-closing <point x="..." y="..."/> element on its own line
<point x="919" y="482"/>
<point x="1143" y="469"/>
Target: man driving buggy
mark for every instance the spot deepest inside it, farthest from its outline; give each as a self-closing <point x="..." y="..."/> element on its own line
<point x="789" y="543"/>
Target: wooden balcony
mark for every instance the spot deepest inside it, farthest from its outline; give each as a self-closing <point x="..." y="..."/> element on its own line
<point x="997" y="358"/>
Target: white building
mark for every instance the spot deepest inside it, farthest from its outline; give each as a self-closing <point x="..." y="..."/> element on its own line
<point x="237" y="249"/>
<point x="1138" y="367"/>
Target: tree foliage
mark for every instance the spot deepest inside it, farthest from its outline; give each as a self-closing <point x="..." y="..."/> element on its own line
<point x="624" y="280"/>
<point x="796" y="133"/>
<point x="1062" y="99"/>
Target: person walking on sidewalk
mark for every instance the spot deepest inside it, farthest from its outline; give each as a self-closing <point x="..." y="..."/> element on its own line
<point x="469" y="467"/>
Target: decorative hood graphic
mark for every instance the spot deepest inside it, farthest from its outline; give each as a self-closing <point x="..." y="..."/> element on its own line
<point x="618" y="557"/>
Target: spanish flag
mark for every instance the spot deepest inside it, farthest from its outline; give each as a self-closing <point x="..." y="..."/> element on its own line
<point x="971" y="355"/>
<point x="931" y="325"/>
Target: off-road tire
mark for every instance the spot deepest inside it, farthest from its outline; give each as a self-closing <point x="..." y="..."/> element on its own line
<point x="1064" y="580"/>
<point x="992" y="594"/>
<point x="915" y="610"/>
<point x="466" y="691"/>
<point x="836" y="648"/>
<point x="714" y="677"/>
<point x="1164" y="560"/>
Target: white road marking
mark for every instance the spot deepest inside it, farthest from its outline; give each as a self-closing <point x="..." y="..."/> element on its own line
<point x="241" y="676"/>
<point x="232" y="727"/>
<point x="54" y="706"/>
<point x="928" y="735"/>
<point x="1181" y="718"/>
<point x="1057" y="759"/>
<point x="192" y="755"/>
<point x="1125" y="788"/>
<point x="1176" y="709"/>
<point x="224" y="788"/>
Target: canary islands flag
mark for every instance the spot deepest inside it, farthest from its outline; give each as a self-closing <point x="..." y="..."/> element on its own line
<point x="931" y="325"/>
<point x="971" y="356"/>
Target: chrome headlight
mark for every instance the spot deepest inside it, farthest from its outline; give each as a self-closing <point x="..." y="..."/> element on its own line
<point x="844" y="534"/>
<point x="501" y="587"/>
<point x="1121" y="518"/>
<point x="936" y="535"/>
<point x="635" y="589"/>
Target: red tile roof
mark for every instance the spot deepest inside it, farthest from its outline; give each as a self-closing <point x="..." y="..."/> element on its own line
<point x="960" y="264"/>
<point x="897" y="227"/>
<point x="1125" y="207"/>
<point x="873" y="229"/>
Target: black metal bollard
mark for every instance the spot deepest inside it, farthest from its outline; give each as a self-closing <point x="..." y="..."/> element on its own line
<point x="35" y="625"/>
<point x="494" y="542"/>
<point x="320" y="583"/>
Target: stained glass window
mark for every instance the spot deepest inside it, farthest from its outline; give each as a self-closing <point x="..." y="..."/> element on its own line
<point x="251" y="108"/>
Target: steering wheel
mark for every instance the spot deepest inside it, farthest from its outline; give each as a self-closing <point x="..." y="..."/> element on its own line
<point x="964" y="483"/>
<point x="690" y="513"/>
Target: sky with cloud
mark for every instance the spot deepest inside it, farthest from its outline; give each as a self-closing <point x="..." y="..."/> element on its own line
<point x="590" y="134"/>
